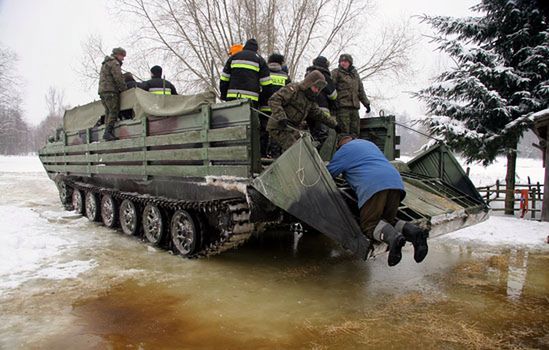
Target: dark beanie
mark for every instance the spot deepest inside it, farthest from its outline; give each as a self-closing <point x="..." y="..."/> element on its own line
<point x="252" y="45"/>
<point x="276" y="58"/>
<point x="156" y="71"/>
<point x="321" y="61"/>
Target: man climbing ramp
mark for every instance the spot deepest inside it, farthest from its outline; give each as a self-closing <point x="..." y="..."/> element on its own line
<point x="380" y="190"/>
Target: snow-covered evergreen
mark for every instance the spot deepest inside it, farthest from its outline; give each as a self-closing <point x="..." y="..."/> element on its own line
<point x="501" y="76"/>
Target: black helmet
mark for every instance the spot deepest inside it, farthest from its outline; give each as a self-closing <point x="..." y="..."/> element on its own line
<point x="321" y="61"/>
<point x="276" y="58"/>
<point x="156" y="71"/>
<point x="251" y="45"/>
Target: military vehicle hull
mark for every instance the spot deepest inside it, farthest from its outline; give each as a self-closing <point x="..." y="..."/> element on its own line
<point x="186" y="174"/>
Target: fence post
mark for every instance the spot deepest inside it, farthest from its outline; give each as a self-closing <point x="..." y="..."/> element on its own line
<point x="539" y="190"/>
<point x="487" y="194"/>
<point x="497" y="188"/>
<point x="533" y="194"/>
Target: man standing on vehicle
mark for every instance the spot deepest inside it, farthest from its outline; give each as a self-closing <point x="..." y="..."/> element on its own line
<point x="350" y="93"/>
<point x="244" y="75"/>
<point x="157" y="85"/>
<point x="380" y="190"/>
<point x="111" y="84"/>
<point x="292" y="106"/>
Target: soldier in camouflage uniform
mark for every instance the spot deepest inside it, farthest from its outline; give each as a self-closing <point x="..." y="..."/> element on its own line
<point x="292" y="106"/>
<point x="350" y="93"/>
<point x="111" y="84"/>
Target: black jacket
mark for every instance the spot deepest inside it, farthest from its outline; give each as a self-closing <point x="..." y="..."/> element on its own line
<point x="280" y="79"/>
<point x="244" y="74"/>
<point x="326" y="100"/>
<point x="158" y="86"/>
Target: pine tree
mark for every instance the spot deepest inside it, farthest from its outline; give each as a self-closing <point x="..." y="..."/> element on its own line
<point x="501" y="76"/>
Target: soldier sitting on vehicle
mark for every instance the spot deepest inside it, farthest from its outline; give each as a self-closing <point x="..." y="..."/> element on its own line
<point x="292" y="105"/>
<point x="111" y="84"/>
<point x="157" y="85"/>
<point x="380" y="190"/>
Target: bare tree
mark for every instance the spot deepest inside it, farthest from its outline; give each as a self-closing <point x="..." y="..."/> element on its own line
<point x="191" y="38"/>
<point x="8" y="76"/>
<point x="55" y="101"/>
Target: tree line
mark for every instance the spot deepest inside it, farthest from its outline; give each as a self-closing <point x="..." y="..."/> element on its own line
<point x="17" y="136"/>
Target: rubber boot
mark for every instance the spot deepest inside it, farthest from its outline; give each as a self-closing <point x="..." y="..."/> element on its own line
<point x="109" y="134"/>
<point x="384" y="232"/>
<point x="416" y="236"/>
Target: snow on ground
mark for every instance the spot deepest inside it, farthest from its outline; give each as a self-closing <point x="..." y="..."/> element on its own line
<point x="29" y="250"/>
<point x="20" y="164"/>
<point x="485" y="176"/>
<point x="503" y="232"/>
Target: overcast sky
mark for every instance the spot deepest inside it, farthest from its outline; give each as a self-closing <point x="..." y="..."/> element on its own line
<point x="47" y="35"/>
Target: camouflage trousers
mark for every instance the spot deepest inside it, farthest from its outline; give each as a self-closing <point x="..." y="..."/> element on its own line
<point x="111" y="102"/>
<point x="283" y="139"/>
<point x="349" y="120"/>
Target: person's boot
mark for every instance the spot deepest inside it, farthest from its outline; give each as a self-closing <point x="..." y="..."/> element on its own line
<point x="416" y="236"/>
<point x="384" y="232"/>
<point x="109" y="134"/>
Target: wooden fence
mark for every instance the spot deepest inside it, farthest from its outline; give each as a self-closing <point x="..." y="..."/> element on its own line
<point x="496" y="193"/>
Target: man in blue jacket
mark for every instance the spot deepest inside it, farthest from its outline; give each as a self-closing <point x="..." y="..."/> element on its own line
<point x="380" y="190"/>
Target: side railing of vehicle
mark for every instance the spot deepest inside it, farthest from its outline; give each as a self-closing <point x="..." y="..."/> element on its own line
<point x="218" y="140"/>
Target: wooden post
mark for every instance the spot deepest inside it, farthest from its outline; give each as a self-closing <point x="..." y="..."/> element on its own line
<point x="532" y="192"/>
<point x="541" y="123"/>
<point x="545" y="205"/>
<point x="497" y="188"/>
<point x="487" y="194"/>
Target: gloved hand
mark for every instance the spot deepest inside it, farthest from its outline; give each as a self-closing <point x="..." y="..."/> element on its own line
<point x="283" y="122"/>
<point x="368" y="108"/>
<point x="338" y="129"/>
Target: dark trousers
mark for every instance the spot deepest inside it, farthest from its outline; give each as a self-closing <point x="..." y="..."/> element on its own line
<point x="381" y="206"/>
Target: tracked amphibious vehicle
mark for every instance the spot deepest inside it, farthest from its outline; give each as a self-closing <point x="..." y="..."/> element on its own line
<point x="186" y="174"/>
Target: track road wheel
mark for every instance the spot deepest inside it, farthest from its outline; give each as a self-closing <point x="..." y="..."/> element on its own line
<point x="109" y="211"/>
<point x="92" y="207"/>
<point x="78" y="201"/>
<point x="129" y="218"/>
<point x="65" y="195"/>
<point x="185" y="232"/>
<point x="153" y="224"/>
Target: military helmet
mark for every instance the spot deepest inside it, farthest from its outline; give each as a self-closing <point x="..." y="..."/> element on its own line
<point x="346" y="57"/>
<point x="118" y="51"/>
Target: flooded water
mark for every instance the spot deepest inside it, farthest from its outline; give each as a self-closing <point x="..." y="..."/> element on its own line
<point x="123" y="294"/>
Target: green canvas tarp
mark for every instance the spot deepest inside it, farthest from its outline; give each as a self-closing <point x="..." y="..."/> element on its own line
<point x="299" y="183"/>
<point x="142" y="103"/>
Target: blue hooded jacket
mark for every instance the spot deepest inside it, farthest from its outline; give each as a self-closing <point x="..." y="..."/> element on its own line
<point x="366" y="169"/>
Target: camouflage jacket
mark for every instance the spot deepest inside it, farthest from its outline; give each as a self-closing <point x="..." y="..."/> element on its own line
<point x="110" y="77"/>
<point x="292" y="103"/>
<point x="350" y="91"/>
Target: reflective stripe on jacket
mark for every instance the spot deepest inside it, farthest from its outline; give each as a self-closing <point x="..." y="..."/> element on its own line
<point x="244" y="75"/>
